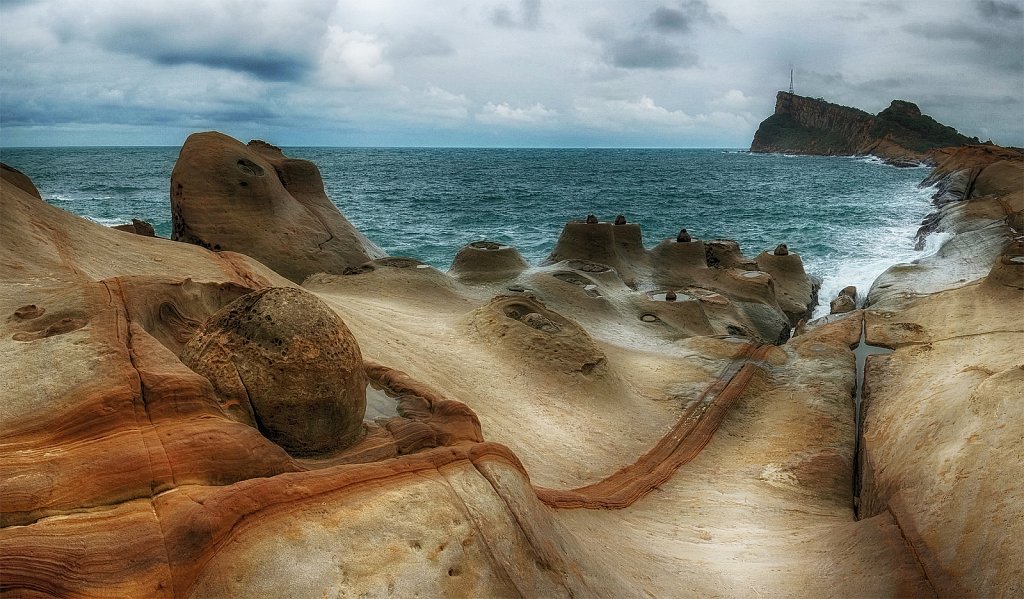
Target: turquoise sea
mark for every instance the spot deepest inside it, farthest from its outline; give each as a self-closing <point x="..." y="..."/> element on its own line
<point x="849" y="218"/>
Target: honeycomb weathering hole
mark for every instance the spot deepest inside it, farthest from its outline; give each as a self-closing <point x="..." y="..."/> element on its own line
<point x="250" y="168"/>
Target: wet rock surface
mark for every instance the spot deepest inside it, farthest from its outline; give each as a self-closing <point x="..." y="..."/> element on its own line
<point x="845" y="301"/>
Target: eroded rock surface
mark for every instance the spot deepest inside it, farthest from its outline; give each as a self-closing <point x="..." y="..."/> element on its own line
<point x="283" y="362"/>
<point x="943" y="418"/>
<point x="255" y="200"/>
<point x="539" y="413"/>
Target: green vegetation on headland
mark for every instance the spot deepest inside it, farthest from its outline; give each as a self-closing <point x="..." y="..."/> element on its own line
<point x="803" y="125"/>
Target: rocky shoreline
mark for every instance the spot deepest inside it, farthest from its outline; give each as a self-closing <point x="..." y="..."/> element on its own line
<point x="900" y="135"/>
<point x="268" y="404"/>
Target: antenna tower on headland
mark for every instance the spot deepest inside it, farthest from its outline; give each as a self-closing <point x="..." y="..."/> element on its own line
<point x="791" y="81"/>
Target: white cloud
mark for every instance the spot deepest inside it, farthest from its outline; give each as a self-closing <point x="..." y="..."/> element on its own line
<point x="438" y="102"/>
<point x="733" y="99"/>
<point x="645" y="116"/>
<point x="622" y="115"/>
<point x="505" y="114"/>
<point x="354" y="59"/>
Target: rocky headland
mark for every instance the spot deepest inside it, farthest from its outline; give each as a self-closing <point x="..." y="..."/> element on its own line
<point x="899" y="134"/>
<point x="269" y="405"/>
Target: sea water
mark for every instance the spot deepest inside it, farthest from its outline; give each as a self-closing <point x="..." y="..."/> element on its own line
<point x="848" y="218"/>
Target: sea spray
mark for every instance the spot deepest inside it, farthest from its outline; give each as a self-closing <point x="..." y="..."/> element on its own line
<point x="869" y="256"/>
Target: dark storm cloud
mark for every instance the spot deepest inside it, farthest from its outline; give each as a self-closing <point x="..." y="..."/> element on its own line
<point x="648" y="52"/>
<point x="669" y="19"/>
<point x="682" y="17"/>
<point x="993" y="9"/>
<point x="653" y="42"/>
<point x="999" y="45"/>
<point x="267" y="42"/>
<point x="269" y="66"/>
<point x="527" y="16"/>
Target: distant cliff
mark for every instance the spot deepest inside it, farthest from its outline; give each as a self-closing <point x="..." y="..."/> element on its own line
<point x="900" y="133"/>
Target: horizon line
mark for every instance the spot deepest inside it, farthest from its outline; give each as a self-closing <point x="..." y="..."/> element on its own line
<point x="396" y="147"/>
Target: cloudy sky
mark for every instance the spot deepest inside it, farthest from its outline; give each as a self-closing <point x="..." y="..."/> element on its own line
<point x="680" y="73"/>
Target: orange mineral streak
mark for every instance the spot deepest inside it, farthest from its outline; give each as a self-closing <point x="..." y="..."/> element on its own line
<point x="181" y="526"/>
<point x="684" y="442"/>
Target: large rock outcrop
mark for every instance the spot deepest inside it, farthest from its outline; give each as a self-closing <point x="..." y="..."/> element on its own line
<point x="254" y="200"/>
<point x="283" y="362"/>
<point x="943" y="419"/>
<point x="124" y="473"/>
<point x="900" y="133"/>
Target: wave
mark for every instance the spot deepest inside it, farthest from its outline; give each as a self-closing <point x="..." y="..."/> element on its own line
<point x="890" y="244"/>
<point x="109" y="221"/>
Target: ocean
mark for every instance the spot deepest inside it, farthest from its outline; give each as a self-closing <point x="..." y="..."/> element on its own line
<point x="848" y="218"/>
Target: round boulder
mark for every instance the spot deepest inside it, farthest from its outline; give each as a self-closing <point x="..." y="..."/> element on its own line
<point x="281" y="360"/>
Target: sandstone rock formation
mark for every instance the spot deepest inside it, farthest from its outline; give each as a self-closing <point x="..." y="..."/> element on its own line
<point x="283" y="362"/>
<point x="559" y="430"/>
<point x="255" y="200"/>
<point x="845" y="301"/>
<point x="761" y="300"/>
<point x="139" y="227"/>
<point x="900" y="133"/>
<point x="953" y="319"/>
<point x="487" y="260"/>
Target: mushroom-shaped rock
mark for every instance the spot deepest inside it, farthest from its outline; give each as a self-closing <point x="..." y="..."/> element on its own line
<point x="676" y="264"/>
<point x="284" y="362"/>
<point x="487" y="261"/>
<point x="684" y="236"/>
<point x="618" y="246"/>
<point x="256" y="201"/>
<point x="591" y="219"/>
<point x="782" y="250"/>
<point x="726" y="253"/>
<point x="685" y="314"/>
<point x="620" y="219"/>
<point x="797" y="292"/>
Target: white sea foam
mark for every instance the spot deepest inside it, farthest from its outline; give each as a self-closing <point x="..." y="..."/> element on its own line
<point x="893" y="244"/>
<point x="107" y="221"/>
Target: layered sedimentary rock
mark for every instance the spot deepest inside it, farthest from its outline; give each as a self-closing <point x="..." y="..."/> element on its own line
<point x="900" y="133"/>
<point x="255" y="200"/>
<point x="283" y="362"/>
<point x="609" y="424"/>
<point x="943" y="417"/>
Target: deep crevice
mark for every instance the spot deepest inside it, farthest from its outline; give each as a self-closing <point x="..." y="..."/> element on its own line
<point x="861" y="352"/>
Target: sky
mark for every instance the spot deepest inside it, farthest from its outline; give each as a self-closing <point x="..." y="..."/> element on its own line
<point x="543" y="73"/>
